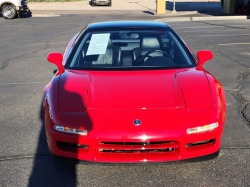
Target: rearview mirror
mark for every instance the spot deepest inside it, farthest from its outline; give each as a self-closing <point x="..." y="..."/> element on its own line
<point x="204" y="56"/>
<point x="55" y="58"/>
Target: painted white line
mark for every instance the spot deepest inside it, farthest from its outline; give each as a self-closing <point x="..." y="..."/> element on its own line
<point x="45" y="15"/>
<point x="209" y="18"/>
<point x="198" y="27"/>
<point x="246" y="54"/>
<point x="16" y="83"/>
<point x="224" y="29"/>
<point x="226" y="35"/>
<point x="236" y="44"/>
<point x="204" y="31"/>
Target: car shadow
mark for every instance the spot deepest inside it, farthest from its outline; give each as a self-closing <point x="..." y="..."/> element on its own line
<point x="29" y="15"/>
<point x="47" y="171"/>
<point x="148" y="12"/>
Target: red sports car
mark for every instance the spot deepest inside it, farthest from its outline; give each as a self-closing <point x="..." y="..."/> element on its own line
<point x="132" y="92"/>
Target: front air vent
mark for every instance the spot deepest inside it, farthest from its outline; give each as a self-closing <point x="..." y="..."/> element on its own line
<point x="212" y="141"/>
<point x="136" y="143"/>
<point x="136" y="150"/>
<point x="138" y="147"/>
<point x="71" y="147"/>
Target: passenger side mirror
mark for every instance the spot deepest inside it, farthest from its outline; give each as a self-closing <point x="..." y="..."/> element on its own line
<point x="55" y="58"/>
<point x="204" y="56"/>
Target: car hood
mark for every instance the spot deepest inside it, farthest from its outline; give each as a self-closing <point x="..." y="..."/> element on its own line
<point x="147" y="89"/>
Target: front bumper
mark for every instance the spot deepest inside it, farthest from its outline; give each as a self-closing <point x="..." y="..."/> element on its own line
<point x="91" y="148"/>
<point x="122" y="143"/>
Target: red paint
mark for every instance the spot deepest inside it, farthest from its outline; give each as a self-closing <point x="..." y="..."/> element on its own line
<point x="105" y="103"/>
<point x="55" y="58"/>
<point x="204" y="56"/>
<point x="117" y="98"/>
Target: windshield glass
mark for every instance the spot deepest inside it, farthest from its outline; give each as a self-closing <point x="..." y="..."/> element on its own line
<point x="135" y="49"/>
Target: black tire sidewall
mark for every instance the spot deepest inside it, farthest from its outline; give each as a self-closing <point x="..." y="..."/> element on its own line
<point x="8" y="5"/>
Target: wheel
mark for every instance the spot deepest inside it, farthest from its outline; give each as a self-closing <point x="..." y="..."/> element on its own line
<point x="110" y="4"/>
<point x="92" y="3"/>
<point x="8" y="11"/>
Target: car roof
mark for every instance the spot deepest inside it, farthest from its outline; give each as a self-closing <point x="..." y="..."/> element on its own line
<point x="128" y="24"/>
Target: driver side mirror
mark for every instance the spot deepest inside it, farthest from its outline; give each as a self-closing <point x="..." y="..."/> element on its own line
<point x="204" y="56"/>
<point x="55" y="58"/>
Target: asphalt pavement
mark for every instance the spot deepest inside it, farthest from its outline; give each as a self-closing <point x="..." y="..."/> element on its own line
<point x="24" y="71"/>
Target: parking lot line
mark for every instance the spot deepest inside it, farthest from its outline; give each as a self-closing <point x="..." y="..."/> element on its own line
<point x="224" y="35"/>
<point x="203" y="31"/>
<point x="199" y="27"/>
<point x="210" y="26"/>
<point x="235" y="44"/>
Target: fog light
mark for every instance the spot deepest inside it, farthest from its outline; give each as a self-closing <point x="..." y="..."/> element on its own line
<point x="70" y="130"/>
<point x="202" y="128"/>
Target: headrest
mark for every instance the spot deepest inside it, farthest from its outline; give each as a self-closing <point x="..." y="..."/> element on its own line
<point x="150" y="42"/>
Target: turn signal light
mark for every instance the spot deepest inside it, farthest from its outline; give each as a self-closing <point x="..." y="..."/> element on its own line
<point x="70" y="130"/>
<point x="202" y="128"/>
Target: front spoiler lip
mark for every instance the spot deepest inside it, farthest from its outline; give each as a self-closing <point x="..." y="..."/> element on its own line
<point x="189" y="160"/>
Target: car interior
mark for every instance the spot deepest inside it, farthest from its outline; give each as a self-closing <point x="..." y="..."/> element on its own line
<point x="129" y="49"/>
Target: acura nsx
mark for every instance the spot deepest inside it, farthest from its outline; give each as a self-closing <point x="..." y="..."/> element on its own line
<point x="132" y="91"/>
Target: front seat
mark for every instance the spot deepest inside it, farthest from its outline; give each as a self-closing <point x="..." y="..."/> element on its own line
<point x="147" y="44"/>
<point x="111" y="57"/>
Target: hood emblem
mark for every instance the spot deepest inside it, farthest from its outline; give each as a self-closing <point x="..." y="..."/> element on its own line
<point x="137" y="122"/>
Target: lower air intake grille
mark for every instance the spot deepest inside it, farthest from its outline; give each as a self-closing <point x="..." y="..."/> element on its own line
<point x="136" y="143"/>
<point x="137" y="147"/>
<point x="136" y="151"/>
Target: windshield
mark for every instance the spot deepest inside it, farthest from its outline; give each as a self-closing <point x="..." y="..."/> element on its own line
<point x="136" y="49"/>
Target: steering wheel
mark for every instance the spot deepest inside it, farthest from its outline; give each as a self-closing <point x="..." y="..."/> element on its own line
<point x="150" y="52"/>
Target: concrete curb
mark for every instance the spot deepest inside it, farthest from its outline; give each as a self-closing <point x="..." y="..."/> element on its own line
<point x="202" y="18"/>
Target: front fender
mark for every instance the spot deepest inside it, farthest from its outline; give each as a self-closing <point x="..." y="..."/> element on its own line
<point x="51" y="94"/>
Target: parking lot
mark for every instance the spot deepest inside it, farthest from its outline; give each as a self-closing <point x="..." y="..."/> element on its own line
<point x="24" y="71"/>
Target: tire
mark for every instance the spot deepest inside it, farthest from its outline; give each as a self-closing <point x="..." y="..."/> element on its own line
<point x="92" y="3"/>
<point x="8" y="11"/>
<point x="110" y="4"/>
